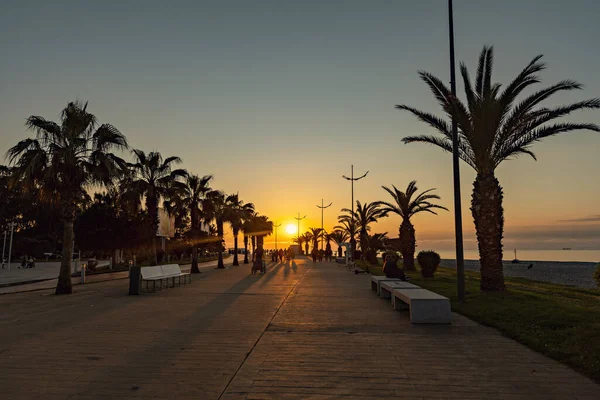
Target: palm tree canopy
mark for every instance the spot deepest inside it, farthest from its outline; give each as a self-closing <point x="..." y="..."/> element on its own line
<point x="214" y="206"/>
<point x="339" y="236"/>
<point x="153" y="177"/>
<point x="238" y="212"/>
<point x="405" y="205"/>
<point x="363" y="216"/>
<point x="346" y="226"/>
<point x="71" y="156"/>
<point x="316" y="233"/>
<point x="194" y="191"/>
<point x="492" y="126"/>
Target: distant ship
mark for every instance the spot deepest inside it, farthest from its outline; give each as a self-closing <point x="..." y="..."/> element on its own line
<point x="566" y="248"/>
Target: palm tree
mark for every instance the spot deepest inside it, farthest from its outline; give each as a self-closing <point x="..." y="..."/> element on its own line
<point x="375" y="243"/>
<point x="215" y="208"/>
<point x="493" y="128"/>
<point x="316" y="234"/>
<point x="406" y="205"/>
<point x="308" y="237"/>
<point x="153" y="178"/>
<point x="339" y="236"/>
<point x="247" y="228"/>
<point x="237" y="213"/>
<point x="363" y="217"/>
<point x="263" y="227"/>
<point x="195" y="189"/>
<point x="69" y="158"/>
<point x="300" y="240"/>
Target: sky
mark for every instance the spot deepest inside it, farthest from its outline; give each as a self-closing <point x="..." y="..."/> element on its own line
<point x="278" y="98"/>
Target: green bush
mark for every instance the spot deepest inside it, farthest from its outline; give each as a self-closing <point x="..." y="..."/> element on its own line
<point x="429" y="262"/>
<point x="597" y="275"/>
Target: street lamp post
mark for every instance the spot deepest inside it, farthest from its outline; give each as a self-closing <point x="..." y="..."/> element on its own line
<point x="352" y="179"/>
<point x="299" y="219"/>
<point x="276" y="226"/>
<point x="322" y="208"/>
<point x="460" y="262"/>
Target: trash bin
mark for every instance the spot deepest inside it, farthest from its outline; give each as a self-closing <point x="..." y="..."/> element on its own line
<point x="135" y="274"/>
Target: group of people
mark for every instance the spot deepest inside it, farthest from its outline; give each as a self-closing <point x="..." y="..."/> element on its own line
<point x="320" y="255"/>
<point x="258" y="265"/>
<point x="27" y="262"/>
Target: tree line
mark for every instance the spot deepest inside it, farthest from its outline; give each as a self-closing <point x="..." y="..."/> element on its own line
<point x="46" y="190"/>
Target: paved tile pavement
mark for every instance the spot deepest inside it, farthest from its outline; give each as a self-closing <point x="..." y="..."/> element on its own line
<point x="299" y="332"/>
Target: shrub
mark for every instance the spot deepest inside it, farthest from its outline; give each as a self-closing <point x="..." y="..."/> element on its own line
<point x="429" y="262"/>
<point x="597" y="275"/>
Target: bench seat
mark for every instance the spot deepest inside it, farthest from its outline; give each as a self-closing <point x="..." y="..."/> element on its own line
<point x="426" y="307"/>
<point x="376" y="282"/>
<point x="164" y="273"/>
<point x="387" y="287"/>
<point x="172" y="272"/>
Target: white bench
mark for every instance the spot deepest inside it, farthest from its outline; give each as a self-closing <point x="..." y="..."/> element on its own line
<point x="426" y="307"/>
<point x="163" y="273"/>
<point x="376" y="282"/>
<point x="387" y="287"/>
<point x="152" y="274"/>
<point x="173" y="271"/>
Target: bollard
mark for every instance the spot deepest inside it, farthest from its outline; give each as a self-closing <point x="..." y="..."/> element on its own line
<point x="135" y="274"/>
<point x="83" y="268"/>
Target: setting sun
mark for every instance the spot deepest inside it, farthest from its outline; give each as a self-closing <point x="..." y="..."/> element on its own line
<point x="291" y="229"/>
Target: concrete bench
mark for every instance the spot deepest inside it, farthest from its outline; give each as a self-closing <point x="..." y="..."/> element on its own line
<point x="172" y="272"/>
<point x="163" y="273"/>
<point x="376" y="282"/>
<point x="426" y="307"/>
<point x="387" y="287"/>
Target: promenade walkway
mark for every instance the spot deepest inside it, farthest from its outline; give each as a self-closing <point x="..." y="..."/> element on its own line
<point x="299" y="332"/>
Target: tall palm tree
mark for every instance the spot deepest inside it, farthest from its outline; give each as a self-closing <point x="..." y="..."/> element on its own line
<point x="263" y="227"/>
<point x="347" y="226"/>
<point x="195" y="189"/>
<point x="339" y="236"/>
<point x="247" y="228"/>
<point x="364" y="215"/>
<point x="407" y="204"/>
<point x="308" y="237"/>
<point x="152" y="178"/>
<point x="215" y="208"/>
<point x="493" y="128"/>
<point x="237" y="213"/>
<point x="316" y="234"/>
<point x="300" y="240"/>
<point x="70" y="158"/>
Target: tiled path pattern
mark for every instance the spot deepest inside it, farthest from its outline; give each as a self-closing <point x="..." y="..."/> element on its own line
<point x="299" y="332"/>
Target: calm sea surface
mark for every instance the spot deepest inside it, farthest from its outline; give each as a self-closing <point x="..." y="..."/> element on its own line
<point x="536" y="255"/>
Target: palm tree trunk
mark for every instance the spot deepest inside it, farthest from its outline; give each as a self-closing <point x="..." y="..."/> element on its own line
<point x="195" y="269"/>
<point x="340" y="251"/>
<point x="220" y="234"/>
<point x="64" y="285"/>
<point x="486" y="206"/>
<point x="407" y="244"/>
<point x="253" y="246"/>
<point x="153" y="212"/>
<point x="235" y="248"/>
<point x="245" y="249"/>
